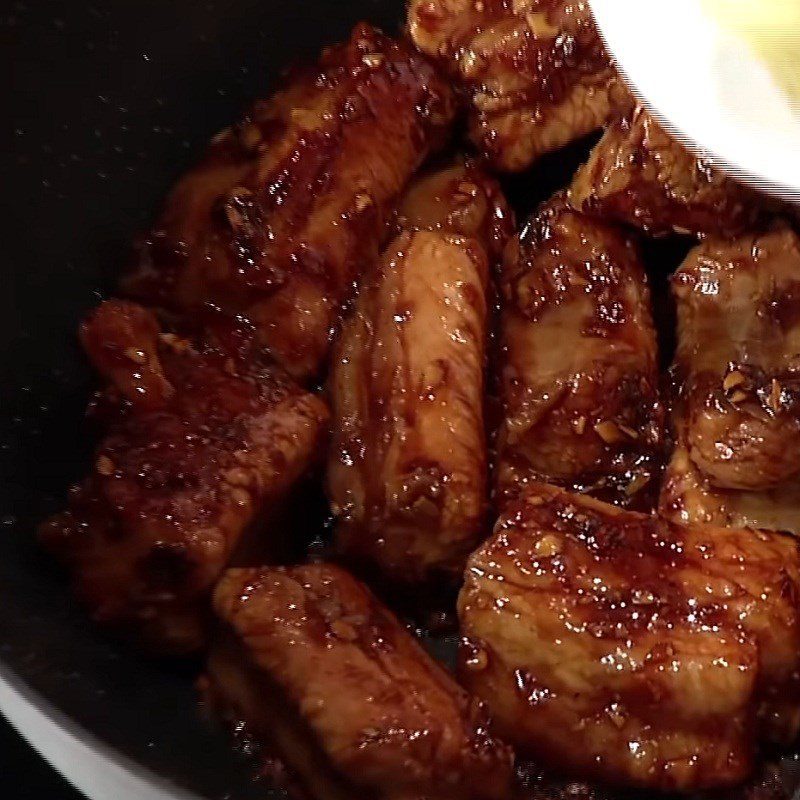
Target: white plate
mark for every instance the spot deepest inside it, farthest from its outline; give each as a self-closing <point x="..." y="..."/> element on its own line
<point x="707" y="87"/>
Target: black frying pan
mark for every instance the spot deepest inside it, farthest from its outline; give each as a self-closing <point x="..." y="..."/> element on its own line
<point x="110" y="101"/>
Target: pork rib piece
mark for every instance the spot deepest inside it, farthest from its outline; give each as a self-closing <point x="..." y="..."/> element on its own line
<point x="309" y="658"/>
<point x="407" y="472"/>
<point x="737" y="384"/>
<point x="578" y="363"/>
<point x="640" y="175"/>
<point x="281" y="215"/>
<point x="199" y="446"/>
<point x="535" y="72"/>
<point x="627" y="649"/>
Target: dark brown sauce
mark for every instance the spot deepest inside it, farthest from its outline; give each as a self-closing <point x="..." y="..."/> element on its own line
<point x="240" y="215"/>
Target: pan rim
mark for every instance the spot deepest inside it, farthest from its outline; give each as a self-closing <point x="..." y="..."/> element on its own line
<point x="95" y="769"/>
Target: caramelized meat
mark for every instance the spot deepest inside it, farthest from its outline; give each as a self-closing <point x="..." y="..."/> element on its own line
<point x="578" y="362"/>
<point x="458" y="199"/>
<point x="309" y="653"/>
<point x="638" y="174"/>
<point x="535" y="71"/>
<point x="407" y="473"/>
<point x="122" y="342"/>
<point x="198" y="448"/>
<point x="625" y="648"/>
<point x="737" y="370"/>
<point x="279" y="218"/>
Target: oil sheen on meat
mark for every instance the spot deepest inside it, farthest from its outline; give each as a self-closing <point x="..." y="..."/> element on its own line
<point x="280" y="216"/>
<point x="535" y="72"/>
<point x="364" y="710"/>
<point x="198" y="447"/>
<point x="640" y="175"/>
<point x="737" y="384"/>
<point x="578" y="362"/>
<point x="407" y="472"/>
<point x="620" y="647"/>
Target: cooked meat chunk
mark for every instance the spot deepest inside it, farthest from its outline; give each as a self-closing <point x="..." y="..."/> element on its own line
<point x="640" y="175"/>
<point x="737" y="373"/>
<point x="407" y="473"/>
<point x="687" y="495"/>
<point x="578" y="363"/>
<point x="458" y="199"/>
<point x="199" y="446"/>
<point x="122" y="342"/>
<point x="311" y="659"/>
<point x="279" y="218"/>
<point x="621" y="647"/>
<point x="535" y="71"/>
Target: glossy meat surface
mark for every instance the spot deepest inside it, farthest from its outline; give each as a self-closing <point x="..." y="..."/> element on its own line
<point x="578" y="362"/>
<point x="737" y="374"/>
<point x="535" y="71"/>
<point x="391" y="722"/>
<point x="197" y="447"/>
<point x="620" y="647"/>
<point x="640" y="175"/>
<point x="458" y="199"/>
<point x="285" y="209"/>
<point x="407" y="473"/>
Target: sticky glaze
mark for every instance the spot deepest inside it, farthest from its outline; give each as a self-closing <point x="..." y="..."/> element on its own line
<point x="407" y="472"/>
<point x="578" y="362"/>
<point x="278" y="220"/>
<point x="640" y="175"/>
<point x="625" y="648"/>
<point x="197" y="447"/>
<point x="535" y="72"/>
<point x="737" y="407"/>
<point x="389" y="719"/>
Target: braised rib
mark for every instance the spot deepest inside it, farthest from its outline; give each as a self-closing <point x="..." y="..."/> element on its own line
<point x="279" y="218"/>
<point x="407" y="472"/>
<point x="198" y="448"/>
<point x="535" y="72"/>
<point x="619" y="647"/>
<point x="578" y="364"/>
<point x="311" y="660"/>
